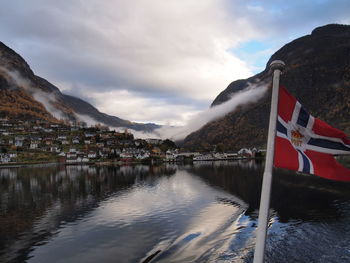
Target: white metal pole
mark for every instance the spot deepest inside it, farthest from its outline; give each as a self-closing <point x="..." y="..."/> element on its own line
<point x="277" y="66"/>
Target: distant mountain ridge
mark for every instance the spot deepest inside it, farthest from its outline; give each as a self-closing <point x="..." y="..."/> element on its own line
<point x="317" y="72"/>
<point x="83" y="108"/>
<point x="27" y="96"/>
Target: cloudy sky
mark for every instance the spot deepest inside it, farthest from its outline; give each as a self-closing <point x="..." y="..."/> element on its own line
<point x="156" y="60"/>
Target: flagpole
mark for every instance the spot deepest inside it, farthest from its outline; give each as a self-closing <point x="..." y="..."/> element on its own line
<point x="277" y="67"/>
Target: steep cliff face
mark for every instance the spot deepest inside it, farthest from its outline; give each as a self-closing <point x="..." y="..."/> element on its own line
<point x="27" y="96"/>
<point x="317" y="72"/>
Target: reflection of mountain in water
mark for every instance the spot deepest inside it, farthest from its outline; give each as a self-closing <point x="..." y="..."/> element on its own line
<point x="205" y="211"/>
<point x="36" y="201"/>
<point x="293" y="196"/>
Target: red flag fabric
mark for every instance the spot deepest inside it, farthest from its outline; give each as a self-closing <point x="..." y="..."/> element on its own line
<point x="307" y="144"/>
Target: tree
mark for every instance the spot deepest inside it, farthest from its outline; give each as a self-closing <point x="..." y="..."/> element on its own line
<point x="220" y="147"/>
<point x="166" y="145"/>
<point x="3" y="150"/>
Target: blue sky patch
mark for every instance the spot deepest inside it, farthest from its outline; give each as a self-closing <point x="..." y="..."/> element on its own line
<point x="254" y="53"/>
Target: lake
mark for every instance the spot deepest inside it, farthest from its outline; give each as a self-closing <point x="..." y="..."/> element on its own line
<point x="203" y="212"/>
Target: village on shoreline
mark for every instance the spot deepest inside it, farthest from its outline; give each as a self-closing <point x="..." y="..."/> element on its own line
<point x="30" y="142"/>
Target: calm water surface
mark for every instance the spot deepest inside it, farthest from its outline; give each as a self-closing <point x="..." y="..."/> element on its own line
<point x="206" y="212"/>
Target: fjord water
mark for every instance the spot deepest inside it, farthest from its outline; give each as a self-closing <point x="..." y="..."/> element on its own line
<point x="205" y="212"/>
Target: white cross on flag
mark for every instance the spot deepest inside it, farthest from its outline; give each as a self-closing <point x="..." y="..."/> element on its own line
<point x="307" y="144"/>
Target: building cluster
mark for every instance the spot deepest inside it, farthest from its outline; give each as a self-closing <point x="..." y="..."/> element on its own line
<point x="244" y="153"/>
<point x="42" y="141"/>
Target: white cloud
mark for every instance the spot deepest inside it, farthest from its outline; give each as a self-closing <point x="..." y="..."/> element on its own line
<point x="162" y="47"/>
<point x="164" y="50"/>
<point x="250" y="94"/>
<point x="125" y="104"/>
<point x="185" y="118"/>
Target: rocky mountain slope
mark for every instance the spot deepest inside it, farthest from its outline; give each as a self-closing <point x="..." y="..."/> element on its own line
<point x="20" y="90"/>
<point x="317" y="72"/>
<point x="27" y="96"/>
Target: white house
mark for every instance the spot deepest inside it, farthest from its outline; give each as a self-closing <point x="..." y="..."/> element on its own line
<point x="71" y="155"/>
<point x="171" y="155"/>
<point x="19" y="142"/>
<point x="92" y="155"/>
<point x="12" y="155"/>
<point x="143" y="155"/>
<point x="4" y="158"/>
<point x="34" y="145"/>
<point x="54" y="149"/>
<point x="244" y="152"/>
<point x="204" y="157"/>
<point x="220" y="156"/>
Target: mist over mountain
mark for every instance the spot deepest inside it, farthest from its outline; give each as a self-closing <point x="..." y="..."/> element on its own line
<point x="85" y="111"/>
<point x="317" y="72"/>
<point x="23" y="95"/>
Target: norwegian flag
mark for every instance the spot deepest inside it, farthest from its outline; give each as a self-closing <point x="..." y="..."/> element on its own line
<point x="306" y="144"/>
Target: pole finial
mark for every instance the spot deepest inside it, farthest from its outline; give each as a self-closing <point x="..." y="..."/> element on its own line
<point x="277" y="64"/>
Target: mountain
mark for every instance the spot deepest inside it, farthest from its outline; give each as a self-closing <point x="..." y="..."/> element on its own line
<point x="317" y="72"/>
<point x="20" y="90"/>
<point x="23" y="95"/>
<point x="83" y="108"/>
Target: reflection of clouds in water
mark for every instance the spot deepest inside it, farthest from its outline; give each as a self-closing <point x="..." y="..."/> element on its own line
<point x="207" y="228"/>
<point x="150" y="213"/>
<point x="106" y="213"/>
<point x="171" y="166"/>
<point x="239" y="246"/>
<point x="209" y="234"/>
<point x="166" y="194"/>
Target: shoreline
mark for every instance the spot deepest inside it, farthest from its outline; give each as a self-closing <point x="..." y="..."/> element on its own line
<point x="102" y="163"/>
